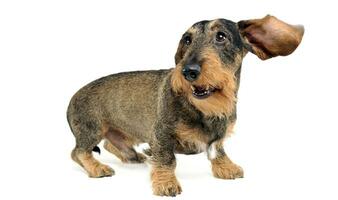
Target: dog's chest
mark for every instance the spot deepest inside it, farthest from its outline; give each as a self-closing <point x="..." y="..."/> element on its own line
<point x="195" y="138"/>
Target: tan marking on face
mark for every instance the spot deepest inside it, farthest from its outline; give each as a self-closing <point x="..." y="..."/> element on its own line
<point x="213" y="24"/>
<point x="192" y="30"/>
<point x="215" y="74"/>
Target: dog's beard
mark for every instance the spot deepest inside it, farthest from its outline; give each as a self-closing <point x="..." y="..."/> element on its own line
<point x="214" y="92"/>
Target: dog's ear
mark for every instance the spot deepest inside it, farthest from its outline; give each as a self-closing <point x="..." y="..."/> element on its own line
<point x="269" y="37"/>
<point x="179" y="53"/>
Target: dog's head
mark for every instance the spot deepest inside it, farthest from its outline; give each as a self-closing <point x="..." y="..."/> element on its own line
<point x="210" y="53"/>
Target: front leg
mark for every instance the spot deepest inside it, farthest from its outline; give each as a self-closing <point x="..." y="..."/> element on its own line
<point x="221" y="165"/>
<point x="163" y="177"/>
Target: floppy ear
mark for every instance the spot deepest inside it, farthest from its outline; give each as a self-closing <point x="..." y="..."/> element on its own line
<point x="269" y="37"/>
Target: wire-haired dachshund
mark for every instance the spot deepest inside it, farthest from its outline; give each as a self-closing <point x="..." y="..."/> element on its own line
<point x="187" y="109"/>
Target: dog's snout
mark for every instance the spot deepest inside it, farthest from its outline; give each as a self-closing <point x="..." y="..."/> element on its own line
<point x="191" y="71"/>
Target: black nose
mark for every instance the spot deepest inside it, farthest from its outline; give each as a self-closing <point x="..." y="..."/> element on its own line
<point x="191" y="72"/>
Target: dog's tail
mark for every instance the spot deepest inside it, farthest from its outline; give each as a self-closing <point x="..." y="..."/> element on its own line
<point x="97" y="149"/>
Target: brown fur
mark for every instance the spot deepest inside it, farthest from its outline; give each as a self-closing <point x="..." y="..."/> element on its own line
<point x="164" y="182"/>
<point x="131" y="158"/>
<point x="222" y="167"/>
<point x="191" y="139"/>
<point x="230" y="129"/>
<point x="213" y="74"/>
<point x="93" y="167"/>
<point x="159" y="107"/>
<point x="271" y="37"/>
<point x="112" y="149"/>
<point x="121" y="145"/>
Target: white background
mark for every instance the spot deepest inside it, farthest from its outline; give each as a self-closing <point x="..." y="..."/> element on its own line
<point x="286" y="135"/>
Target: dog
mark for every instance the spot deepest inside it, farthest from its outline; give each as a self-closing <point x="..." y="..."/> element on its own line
<point x="188" y="109"/>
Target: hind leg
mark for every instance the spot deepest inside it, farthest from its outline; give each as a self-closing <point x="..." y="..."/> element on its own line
<point x="94" y="168"/>
<point x="87" y="137"/>
<point x="121" y="146"/>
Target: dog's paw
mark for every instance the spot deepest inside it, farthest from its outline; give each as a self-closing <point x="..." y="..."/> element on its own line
<point x="138" y="158"/>
<point x="167" y="188"/>
<point x="227" y="170"/>
<point x="101" y="170"/>
<point x="164" y="182"/>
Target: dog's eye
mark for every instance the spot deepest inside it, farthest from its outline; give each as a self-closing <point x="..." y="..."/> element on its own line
<point x="187" y="40"/>
<point x="220" y="36"/>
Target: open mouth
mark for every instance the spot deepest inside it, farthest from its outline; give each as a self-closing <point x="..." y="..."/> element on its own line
<point x="202" y="92"/>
